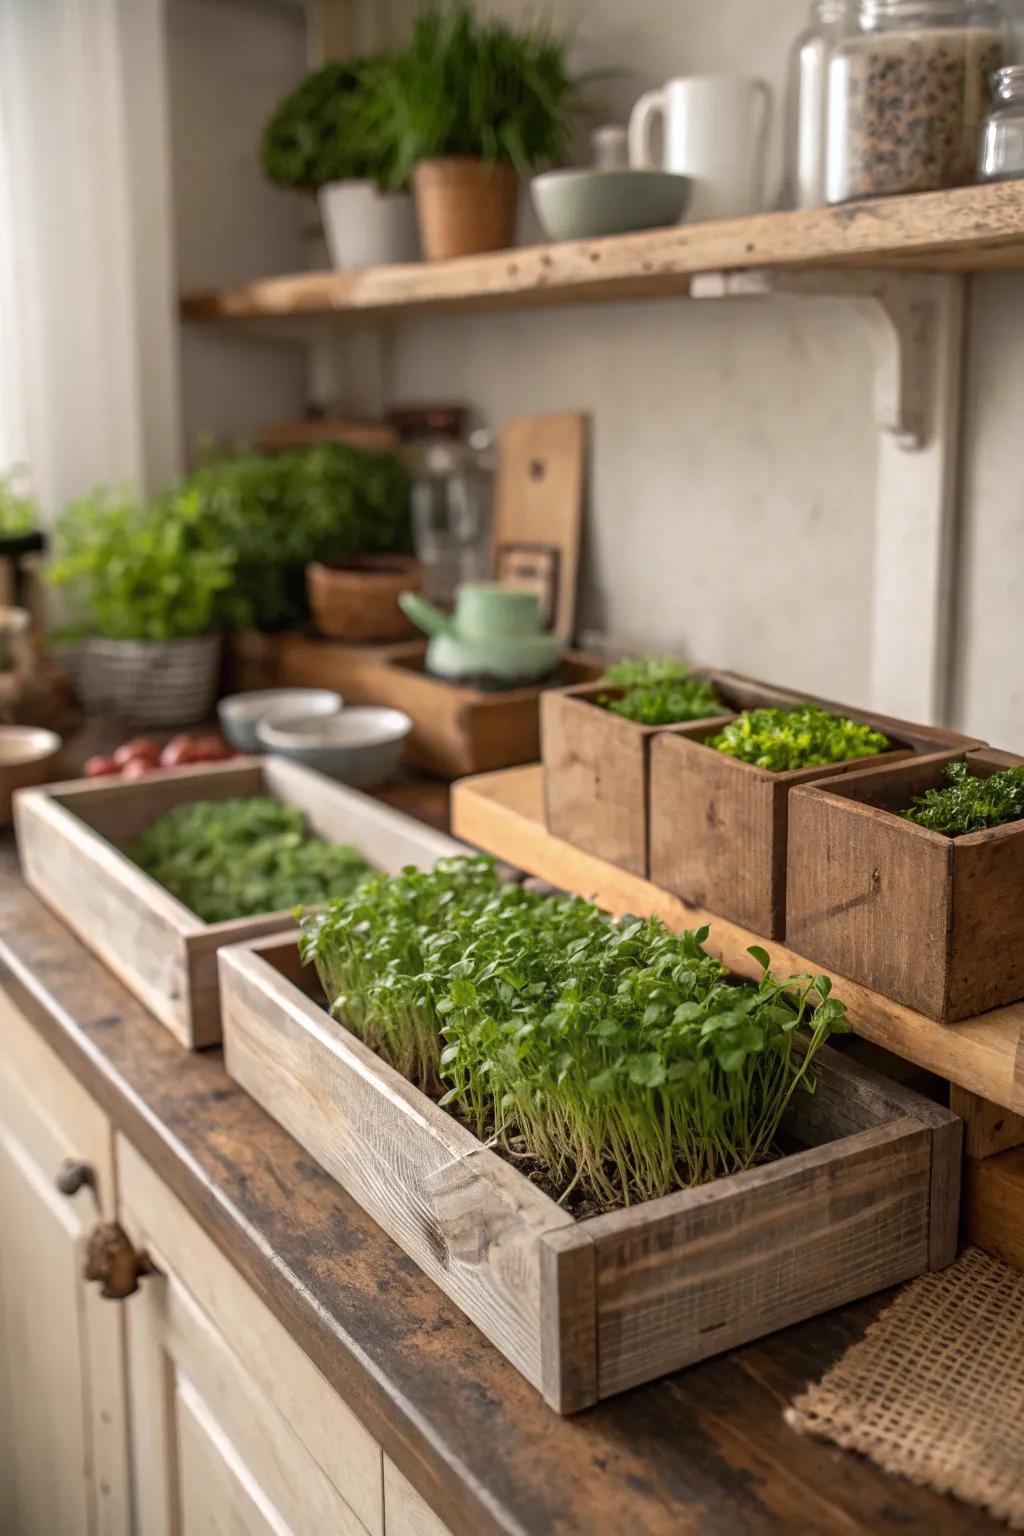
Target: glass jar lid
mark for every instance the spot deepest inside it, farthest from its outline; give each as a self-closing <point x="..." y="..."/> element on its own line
<point x="911" y="14"/>
<point x="1008" y="84"/>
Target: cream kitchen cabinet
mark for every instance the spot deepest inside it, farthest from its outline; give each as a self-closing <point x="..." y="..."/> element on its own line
<point x="184" y="1410"/>
<point x="63" y="1437"/>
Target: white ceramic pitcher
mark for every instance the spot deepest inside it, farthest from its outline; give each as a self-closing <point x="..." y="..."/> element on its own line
<point x="715" y="130"/>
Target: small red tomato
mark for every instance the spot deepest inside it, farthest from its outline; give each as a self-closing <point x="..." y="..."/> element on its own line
<point x="141" y="749"/>
<point x="138" y="768"/>
<point x="177" y="752"/>
<point x="100" y="767"/>
<point x="210" y="749"/>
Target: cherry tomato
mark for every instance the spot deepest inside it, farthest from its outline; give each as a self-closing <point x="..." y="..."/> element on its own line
<point x="138" y="768"/>
<point x="142" y="748"/>
<point x="100" y="767"/>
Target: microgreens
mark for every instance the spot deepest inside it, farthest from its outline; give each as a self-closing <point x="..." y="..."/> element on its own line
<point x="782" y="740"/>
<point x="660" y="691"/>
<point x="969" y="803"/>
<point x="619" y="1057"/>
<point x="241" y="858"/>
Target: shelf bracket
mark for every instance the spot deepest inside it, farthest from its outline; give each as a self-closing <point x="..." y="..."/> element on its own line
<point x="916" y="326"/>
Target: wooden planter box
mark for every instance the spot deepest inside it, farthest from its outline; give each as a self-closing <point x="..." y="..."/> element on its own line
<point x="457" y="730"/>
<point x="718" y="826"/>
<point x="587" y="1309"/>
<point x="597" y="765"/>
<point x="934" y="922"/>
<point x="70" y="842"/>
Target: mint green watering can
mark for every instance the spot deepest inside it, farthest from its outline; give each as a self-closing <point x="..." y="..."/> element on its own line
<point x="494" y="633"/>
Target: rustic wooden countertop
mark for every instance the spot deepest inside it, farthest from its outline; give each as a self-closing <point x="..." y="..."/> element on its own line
<point x="704" y="1451"/>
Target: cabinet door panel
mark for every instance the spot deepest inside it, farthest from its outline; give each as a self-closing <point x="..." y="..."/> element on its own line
<point x="63" y="1452"/>
<point x="217" y="1383"/>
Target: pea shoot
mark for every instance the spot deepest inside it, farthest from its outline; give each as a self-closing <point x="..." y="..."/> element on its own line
<point x="969" y="803"/>
<point x="660" y="691"/>
<point x="617" y="1057"/>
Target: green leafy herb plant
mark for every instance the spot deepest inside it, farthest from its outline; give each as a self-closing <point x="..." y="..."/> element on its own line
<point x="969" y="803"/>
<point x="783" y="740"/>
<point x="243" y="858"/>
<point x="470" y="85"/>
<point x="135" y="573"/>
<point x="276" y="513"/>
<point x="660" y="691"/>
<point x="338" y="124"/>
<point x="19" y="514"/>
<point x="617" y="1061"/>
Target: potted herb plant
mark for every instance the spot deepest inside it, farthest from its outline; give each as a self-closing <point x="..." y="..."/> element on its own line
<point x="145" y="584"/>
<point x="335" y="135"/>
<point x="477" y="104"/>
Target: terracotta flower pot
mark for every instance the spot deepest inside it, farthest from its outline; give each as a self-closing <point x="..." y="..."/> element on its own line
<point x="465" y="206"/>
<point x="357" y="600"/>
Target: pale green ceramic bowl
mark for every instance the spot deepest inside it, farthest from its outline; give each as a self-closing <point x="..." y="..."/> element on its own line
<point x="584" y="204"/>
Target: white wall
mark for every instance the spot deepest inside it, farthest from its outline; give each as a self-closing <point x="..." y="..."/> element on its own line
<point x="732" y="507"/>
<point x="230" y="62"/>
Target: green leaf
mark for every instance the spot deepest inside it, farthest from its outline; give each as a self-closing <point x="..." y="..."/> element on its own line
<point x="762" y="956"/>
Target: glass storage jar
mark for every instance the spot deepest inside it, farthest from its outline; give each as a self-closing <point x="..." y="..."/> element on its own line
<point x="1002" y="141"/>
<point x="807" y="104"/>
<point x="452" y="485"/>
<point x="907" y="94"/>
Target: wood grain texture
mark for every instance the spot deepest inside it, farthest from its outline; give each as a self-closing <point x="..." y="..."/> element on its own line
<point x="993" y="1205"/>
<point x="705" y="1451"/>
<point x="719" y="827"/>
<point x="931" y="921"/>
<point x="457" y="730"/>
<point x="371" y="436"/>
<point x="70" y="841"/>
<point x="503" y="813"/>
<point x="524" y="1271"/>
<point x="468" y="1219"/>
<point x="597" y="780"/>
<point x="970" y="229"/>
<point x="988" y="1128"/>
<point x="538" y="498"/>
<point x="710" y="1268"/>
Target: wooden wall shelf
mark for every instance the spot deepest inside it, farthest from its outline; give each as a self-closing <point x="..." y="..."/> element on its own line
<point x="503" y="814"/>
<point x="969" y="230"/>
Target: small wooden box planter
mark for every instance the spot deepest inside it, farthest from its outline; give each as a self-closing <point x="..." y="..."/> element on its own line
<point x="597" y="765"/>
<point x="457" y="729"/>
<point x="586" y="1309"/>
<point x="934" y="922"/>
<point x="70" y="841"/>
<point x="718" y="826"/>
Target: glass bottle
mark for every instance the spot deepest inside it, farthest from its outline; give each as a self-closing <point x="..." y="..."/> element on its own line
<point x="807" y="106"/>
<point x="908" y="90"/>
<point x="451" y="511"/>
<point x="1002" y="141"/>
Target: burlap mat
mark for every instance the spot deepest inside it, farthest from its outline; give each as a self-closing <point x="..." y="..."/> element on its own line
<point x="935" y="1389"/>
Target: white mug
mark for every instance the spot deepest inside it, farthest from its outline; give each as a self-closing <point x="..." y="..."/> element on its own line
<point x="715" y="130"/>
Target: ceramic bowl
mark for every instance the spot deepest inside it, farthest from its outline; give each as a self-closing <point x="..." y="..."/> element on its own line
<point x="360" y="746"/>
<point x="241" y="713"/>
<point x="27" y="756"/>
<point x="585" y="204"/>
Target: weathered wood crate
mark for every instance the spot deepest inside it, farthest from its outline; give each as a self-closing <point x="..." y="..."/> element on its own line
<point x="597" y="765"/>
<point x="934" y="922"/>
<point x="586" y="1309"/>
<point x="71" y="839"/>
<point x="718" y="826"/>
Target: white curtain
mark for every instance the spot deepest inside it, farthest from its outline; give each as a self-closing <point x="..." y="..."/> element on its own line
<point x="88" y="335"/>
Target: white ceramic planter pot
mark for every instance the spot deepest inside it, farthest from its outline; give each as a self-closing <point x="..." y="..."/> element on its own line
<point x="151" y="682"/>
<point x="366" y="227"/>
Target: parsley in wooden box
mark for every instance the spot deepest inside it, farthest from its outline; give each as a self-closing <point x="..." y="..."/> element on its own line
<point x="156" y="874"/>
<point x="910" y="880"/>
<point x="603" y="1148"/>
<point x="596" y="742"/>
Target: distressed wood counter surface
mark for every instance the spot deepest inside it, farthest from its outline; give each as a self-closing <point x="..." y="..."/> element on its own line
<point x="705" y="1451"/>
